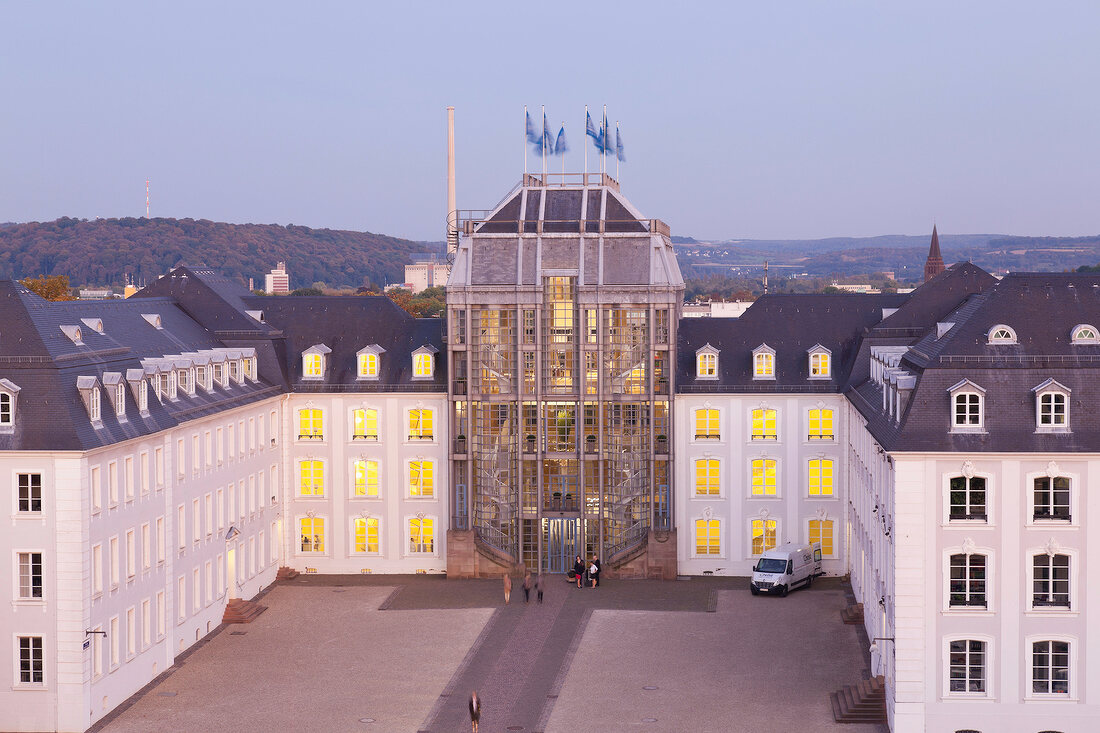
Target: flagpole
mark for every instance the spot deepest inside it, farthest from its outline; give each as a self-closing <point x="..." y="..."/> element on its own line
<point x="585" y="139"/>
<point x="617" y="151"/>
<point x="525" y="141"/>
<point x="603" y="144"/>
<point x="543" y="146"/>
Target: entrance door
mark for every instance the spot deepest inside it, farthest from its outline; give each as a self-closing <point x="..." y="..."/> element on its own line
<point x="562" y="537"/>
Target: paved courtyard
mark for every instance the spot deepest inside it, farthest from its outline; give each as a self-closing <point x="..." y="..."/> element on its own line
<point x="402" y="653"/>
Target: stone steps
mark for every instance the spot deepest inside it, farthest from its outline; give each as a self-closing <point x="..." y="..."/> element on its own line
<point x="286" y="573"/>
<point x="852" y="615"/>
<point x="239" y="611"/>
<point x="861" y="703"/>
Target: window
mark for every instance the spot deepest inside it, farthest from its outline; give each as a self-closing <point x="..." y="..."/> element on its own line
<point x="146" y="547"/>
<point x="312" y="475"/>
<point x="706" y="477"/>
<point x="967" y="584"/>
<point x="707" y="537"/>
<point x="97" y="489"/>
<point x="364" y="424"/>
<point x="706" y="365"/>
<point x="967" y="498"/>
<point x="763" y="424"/>
<point x="113" y="545"/>
<point x="368" y="365"/>
<point x="821" y="477"/>
<point x="31" y="669"/>
<point x="30" y="576"/>
<point x="763" y="363"/>
<point x="1002" y="334"/>
<point x="94" y="408"/>
<point x="421" y="535"/>
<point x="131" y="554"/>
<point x="30" y="492"/>
<point x="120" y="399"/>
<point x="423" y="366"/>
<point x="185" y="382"/>
<point x="821" y="425"/>
<point x="112" y="483"/>
<point x="313" y="534"/>
<point x="366" y="534"/>
<point x="128" y="477"/>
<point x="235" y="371"/>
<point x="420" y="424"/>
<point x="421" y="478"/>
<point x="248" y="368"/>
<point x="968" y="410"/>
<point x="1050" y="583"/>
<point x="763" y="477"/>
<point x="821" y="530"/>
<point x="131" y="632"/>
<point x="1052" y="498"/>
<point x="706" y="424"/>
<point x="763" y="535"/>
<point x="366" y="478"/>
<point x="1052" y="410"/>
<point x="310" y="424"/>
<point x="97" y="569"/>
<point x="218" y="372"/>
<point x="6" y="412"/>
<point x="1085" y="334"/>
<point x="820" y="362"/>
<point x="1050" y="667"/>
<point x="313" y="366"/>
<point x="966" y="663"/>
<point x="143" y="396"/>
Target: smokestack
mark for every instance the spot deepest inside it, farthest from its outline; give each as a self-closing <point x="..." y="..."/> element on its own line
<point x="452" y="208"/>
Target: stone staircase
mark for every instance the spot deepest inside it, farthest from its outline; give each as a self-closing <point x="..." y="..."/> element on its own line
<point x="239" y="611"/>
<point x="852" y="615"/>
<point x="286" y="573"/>
<point x="862" y="703"/>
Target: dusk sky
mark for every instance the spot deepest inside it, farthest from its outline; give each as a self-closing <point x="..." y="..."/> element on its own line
<point x="740" y="120"/>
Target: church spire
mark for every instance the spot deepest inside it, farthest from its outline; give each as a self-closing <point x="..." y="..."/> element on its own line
<point x="934" y="264"/>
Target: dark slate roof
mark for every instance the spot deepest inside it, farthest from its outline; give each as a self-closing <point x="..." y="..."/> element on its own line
<point x="215" y="301"/>
<point x="789" y="324"/>
<point x="934" y="299"/>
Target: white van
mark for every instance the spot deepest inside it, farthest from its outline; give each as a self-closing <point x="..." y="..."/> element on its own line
<point x="782" y="567"/>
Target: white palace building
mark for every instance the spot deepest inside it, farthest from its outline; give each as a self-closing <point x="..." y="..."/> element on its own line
<point x="170" y="454"/>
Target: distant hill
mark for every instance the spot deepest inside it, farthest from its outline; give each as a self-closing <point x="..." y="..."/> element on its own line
<point x="100" y="252"/>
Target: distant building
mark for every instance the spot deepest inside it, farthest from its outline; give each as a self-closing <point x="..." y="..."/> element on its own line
<point x="94" y="293"/>
<point x="732" y="309"/>
<point x="426" y="271"/>
<point x="934" y="264"/>
<point x="856" y="288"/>
<point x="277" y="282"/>
<point x="395" y="286"/>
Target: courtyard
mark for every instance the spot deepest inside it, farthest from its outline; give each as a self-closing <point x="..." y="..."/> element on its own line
<point x="402" y="653"/>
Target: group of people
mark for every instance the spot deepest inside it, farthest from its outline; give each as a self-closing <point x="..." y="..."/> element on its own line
<point x="529" y="584"/>
<point x="591" y="570"/>
<point x="582" y="572"/>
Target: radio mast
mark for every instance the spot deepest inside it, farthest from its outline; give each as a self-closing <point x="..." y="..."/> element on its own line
<point x="146" y="198"/>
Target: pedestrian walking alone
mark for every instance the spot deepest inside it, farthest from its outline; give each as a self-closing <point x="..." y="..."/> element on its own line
<point x="527" y="587"/>
<point x="507" y="588"/>
<point x="538" y="586"/>
<point x="475" y="711"/>
<point x="578" y="570"/>
<point x="594" y="571"/>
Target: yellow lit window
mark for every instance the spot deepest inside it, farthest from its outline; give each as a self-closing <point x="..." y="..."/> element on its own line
<point x="763" y="365"/>
<point x="821" y="530"/>
<point x="368" y="365"/>
<point x="706" y="365"/>
<point x="364" y="424"/>
<point x="421" y="478"/>
<point x="420" y="424"/>
<point x="366" y="534"/>
<point x="312" y="478"/>
<point x="706" y="424"/>
<point x="313" y="534"/>
<point x="422" y="365"/>
<point x="310" y="424"/>
<point x="763" y="477"/>
<point x="421" y="535"/>
<point x="313" y="365"/>
<point x="763" y="535"/>
<point x="763" y="425"/>
<point x="706" y="537"/>
<point x="819" y="365"/>
<point x="366" y="478"/>
<point x="821" y="425"/>
<point x="821" y="477"/>
<point x="706" y="476"/>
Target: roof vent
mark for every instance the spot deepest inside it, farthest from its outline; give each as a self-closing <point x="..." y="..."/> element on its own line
<point x="73" y="333"/>
<point x="257" y="315"/>
<point x="153" y="319"/>
<point x="96" y="324"/>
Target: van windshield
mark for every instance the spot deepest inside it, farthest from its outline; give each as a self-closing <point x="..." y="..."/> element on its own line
<point x="771" y="565"/>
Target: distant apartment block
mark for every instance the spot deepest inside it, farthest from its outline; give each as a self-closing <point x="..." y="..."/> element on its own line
<point x="426" y="271"/>
<point x="277" y="282"/>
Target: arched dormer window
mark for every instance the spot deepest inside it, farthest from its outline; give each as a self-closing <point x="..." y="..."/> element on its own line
<point x="1051" y="407"/>
<point x="763" y="362"/>
<point x="1002" y="334"/>
<point x="424" y="362"/>
<point x="313" y="361"/>
<point x="1083" y="333"/>
<point x="9" y="393"/>
<point x="967" y="407"/>
<point x="821" y="362"/>
<point x="706" y="363"/>
<point x="367" y="361"/>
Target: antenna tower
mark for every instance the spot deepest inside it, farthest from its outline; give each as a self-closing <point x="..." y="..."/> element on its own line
<point x="146" y="198"/>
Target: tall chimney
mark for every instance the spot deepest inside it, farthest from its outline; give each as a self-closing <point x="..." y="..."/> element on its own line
<point x="452" y="208"/>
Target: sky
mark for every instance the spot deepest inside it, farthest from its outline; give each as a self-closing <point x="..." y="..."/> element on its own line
<point x="739" y="119"/>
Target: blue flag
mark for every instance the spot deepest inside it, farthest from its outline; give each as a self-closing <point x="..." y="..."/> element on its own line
<point x="532" y="136"/>
<point x="597" y="136"/>
<point x="605" y="138"/>
<point x="561" y="146"/>
<point x="619" y="143"/>
<point x="547" y="138"/>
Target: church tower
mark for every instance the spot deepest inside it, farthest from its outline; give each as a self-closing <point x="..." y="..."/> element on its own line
<point x="934" y="264"/>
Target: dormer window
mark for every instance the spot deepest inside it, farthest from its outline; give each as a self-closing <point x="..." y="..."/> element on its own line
<point x="166" y="385"/>
<point x="235" y="370"/>
<point x="73" y="334"/>
<point x="1083" y="333"/>
<point x="706" y="363"/>
<point x="120" y="399"/>
<point x="763" y="362"/>
<point x="143" y="396"/>
<point x="248" y="367"/>
<point x="116" y="392"/>
<point x="220" y="373"/>
<point x="9" y="391"/>
<point x="95" y="407"/>
<point x="186" y="383"/>
<point x="90" y="393"/>
<point x="1002" y="334"/>
<point x="367" y="361"/>
<point x="1051" y="407"/>
<point x="821" y="362"/>
<point x="140" y="388"/>
<point x="153" y="319"/>
<point x="202" y="374"/>
<point x="424" y="362"/>
<point x="313" y="361"/>
<point x="967" y="407"/>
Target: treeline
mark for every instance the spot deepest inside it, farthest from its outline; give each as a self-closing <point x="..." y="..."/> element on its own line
<point x="102" y="251"/>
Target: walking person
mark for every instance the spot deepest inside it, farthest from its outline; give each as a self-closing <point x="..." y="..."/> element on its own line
<point x="594" y="571"/>
<point x="475" y="711"/>
<point x="527" y="587"/>
<point x="507" y="588"/>
<point x="578" y="570"/>
<point x="538" y="586"/>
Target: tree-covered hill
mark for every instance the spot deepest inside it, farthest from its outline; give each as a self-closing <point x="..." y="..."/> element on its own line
<point x="100" y="252"/>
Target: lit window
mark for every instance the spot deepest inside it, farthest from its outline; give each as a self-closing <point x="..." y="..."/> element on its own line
<point x="967" y="498"/>
<point x="706" y="477"/>
<point x="1050" y="584"/>
<point x="966" y="662"/>
<point x="706" y="536"/>
<point x="30" y="492"/>
<point x="1085" y="334"/>
<point x="366" y="478"/>
<point x="763" y="424"/>
<point x="31" y="669"/>
<point x="420" y="424"/>
<point x="1052" y="498"/>
<point x="968" y="578"/>
<point x="706" y="365"/>
<point x="312" y="475"/>
<point x="422" y="365"/>
<point x="706" y="424"/>
<point x="421" y="478"/>
<point x="313" y="534"/>
<point x="366" y="534"/>
<point x="421" y="535"/>
<point x="310" y="424"/>
<point x="1050" y="667"/>
<point x="248" y="368"/>
<point x="821" y="425"/>
<point x="763" y="363"/>
<point x="821" y="530"/>
<point x="763" y="477"/>
<point x="364" y="424"/>
<point x="30" y="575"/>
<point x="1001" y="334"/>
<point x="968" y="410"/>
<point x="313" y="366"/>
<point x="821" y="477"/>
<point x="368" y="365"/>
<point x="763" y="535"/>
<point x="820" y="361"/>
